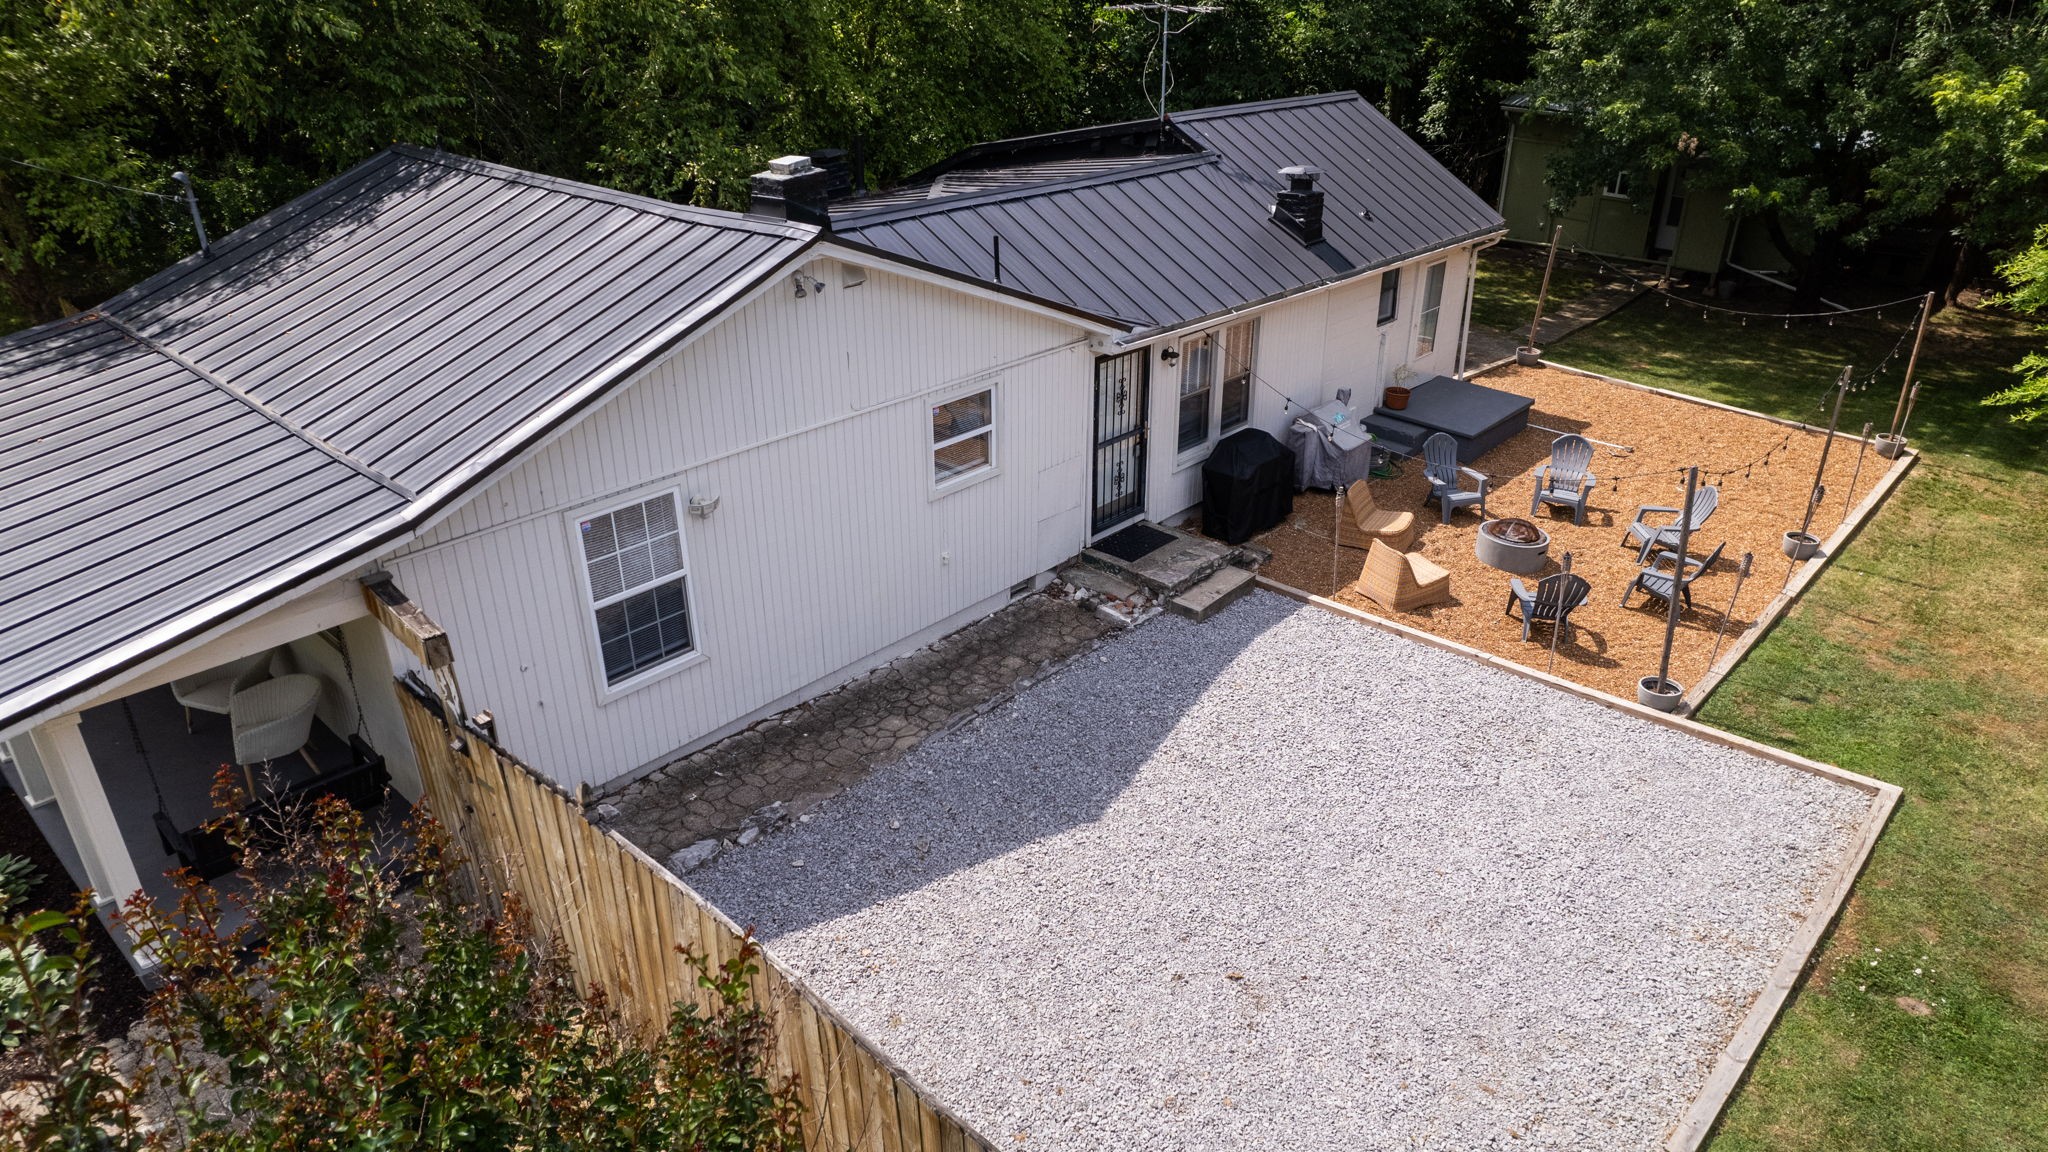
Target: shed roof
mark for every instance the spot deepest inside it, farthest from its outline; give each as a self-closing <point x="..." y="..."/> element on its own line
<point x="1178" y="230"/>
<point x="327" y="378"/>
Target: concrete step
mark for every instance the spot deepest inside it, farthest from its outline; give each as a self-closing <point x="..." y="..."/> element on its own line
<point x="1100" y="581"/>
<point x="1216" y="592"/>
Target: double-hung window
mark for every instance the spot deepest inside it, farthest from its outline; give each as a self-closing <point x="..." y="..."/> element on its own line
<point x="1216" y="383"/>
<point x="1432" y="304"/>
<point x="1390" y="294"/>
<point x="639" y="594"/>
<point x="1238" y="345"/>
<point x="963" y="436"/>
<point x="1197" y="387"/>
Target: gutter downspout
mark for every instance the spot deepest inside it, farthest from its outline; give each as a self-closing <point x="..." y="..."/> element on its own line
<point x="1465" y="318"/>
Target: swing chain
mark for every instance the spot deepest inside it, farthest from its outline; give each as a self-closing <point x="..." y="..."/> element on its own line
<point x="348" y="668"/>
<point x="142" y="751"/>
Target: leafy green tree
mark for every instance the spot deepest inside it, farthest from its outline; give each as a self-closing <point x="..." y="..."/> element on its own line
<point x="2027" y="273"/>
<point x="1829" y="119"/>
<point x="366" y="1004"/>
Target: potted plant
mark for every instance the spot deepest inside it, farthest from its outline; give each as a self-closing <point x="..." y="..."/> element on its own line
<point x="1800" y="545"/>
<point x="1396" y="396"/>
<point x="1663" y="695"/>
<point x="1529" y="356"/>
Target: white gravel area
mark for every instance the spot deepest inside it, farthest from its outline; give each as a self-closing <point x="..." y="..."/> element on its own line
<point x="1283" y="880"/>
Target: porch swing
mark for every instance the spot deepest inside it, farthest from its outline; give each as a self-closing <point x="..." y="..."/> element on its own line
<point x="206" y="852"/>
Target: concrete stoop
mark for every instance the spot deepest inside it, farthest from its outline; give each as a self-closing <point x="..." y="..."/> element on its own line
<point x="1193" y="576"/>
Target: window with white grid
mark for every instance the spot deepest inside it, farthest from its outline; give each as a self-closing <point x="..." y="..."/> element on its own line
<point x="963" y="436"/>
<point x="639" y="593"/>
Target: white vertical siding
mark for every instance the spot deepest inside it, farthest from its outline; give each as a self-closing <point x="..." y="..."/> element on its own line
<point x="809" y="420"/>
<point x="1309" y="347"/>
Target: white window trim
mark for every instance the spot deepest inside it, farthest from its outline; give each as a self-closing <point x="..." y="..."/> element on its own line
<point x="1379" y="290"/>
<point x="1423" y="309"/>
<point x="937" y="488"/>
<point x="1619" y="179"/>
<point x="1184" y="459"/>
<point x="606" y="691"/>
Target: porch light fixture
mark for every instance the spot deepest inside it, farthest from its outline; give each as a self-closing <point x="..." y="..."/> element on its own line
<point x="1169" y="354"/>
<point x="703" y="506"/>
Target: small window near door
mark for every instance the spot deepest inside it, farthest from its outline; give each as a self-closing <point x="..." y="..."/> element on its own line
<point x="1197" y="385"/>
<point x="633" y="563"/>
<point x="1617" y="188"/>
<point x="1432" y="305"/>
<point x="963" y="435"/>
<point x="1390" y="294"/>
<point x="1239" y="345"/>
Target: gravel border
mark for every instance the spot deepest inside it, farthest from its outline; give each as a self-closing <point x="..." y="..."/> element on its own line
<point x="1286" y="880"/>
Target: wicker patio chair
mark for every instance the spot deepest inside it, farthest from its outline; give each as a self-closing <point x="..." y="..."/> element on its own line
<point x="1644" y="536"/>
<point x="1658" y="583"/>
<point x="1565" y="480"/>
<point x="1401" y="581"/>
<point x="210" y="690"/>
<point x="1446" y="476"/>
<point x="274" y="718"/>
<point x="1553" y="600"/>
<point x="1360" y="520"/>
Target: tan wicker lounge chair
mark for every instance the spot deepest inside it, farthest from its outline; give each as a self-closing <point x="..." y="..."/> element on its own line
<point x="1360" y="521"/>
<point x="1401" y="581"/>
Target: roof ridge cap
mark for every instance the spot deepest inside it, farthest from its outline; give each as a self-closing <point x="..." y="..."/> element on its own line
<point x="653" y="205"/>
<point x="930" y="207"/>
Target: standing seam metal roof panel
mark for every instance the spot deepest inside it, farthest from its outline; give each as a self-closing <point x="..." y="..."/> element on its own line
<point x="402" y="325"/>
<point x="1180" y="239"/>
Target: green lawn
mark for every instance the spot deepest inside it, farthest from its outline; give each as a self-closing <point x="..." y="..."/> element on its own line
<point x="1504" y="295"/>
<point x="1921" y="657"/>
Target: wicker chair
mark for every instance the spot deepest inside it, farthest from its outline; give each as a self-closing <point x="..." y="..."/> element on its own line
<point x="1401" y="581"/>
<point x="209" y="691"/>
<point x="1360" y="521"/>
<point x="275" y="718"/>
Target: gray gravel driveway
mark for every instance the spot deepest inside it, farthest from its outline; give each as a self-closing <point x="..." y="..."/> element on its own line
<point x="1282" y="880"/>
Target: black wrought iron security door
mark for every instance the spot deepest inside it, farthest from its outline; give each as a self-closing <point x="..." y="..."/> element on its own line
<point x="1120" y="395"/>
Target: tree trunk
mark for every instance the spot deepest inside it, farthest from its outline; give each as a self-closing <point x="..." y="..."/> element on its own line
<point x="1958" y="275"/>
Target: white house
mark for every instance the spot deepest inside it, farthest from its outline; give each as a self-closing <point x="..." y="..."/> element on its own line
<point x="657" y="471"/>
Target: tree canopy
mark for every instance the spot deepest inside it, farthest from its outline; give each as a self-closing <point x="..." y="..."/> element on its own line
<point x="1831" y="120"/>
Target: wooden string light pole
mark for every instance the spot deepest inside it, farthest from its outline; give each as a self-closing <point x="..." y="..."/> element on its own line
<point x="1900" y="410"/>
<point x="1543" y="292"/>
<point x="1858" y="473"/>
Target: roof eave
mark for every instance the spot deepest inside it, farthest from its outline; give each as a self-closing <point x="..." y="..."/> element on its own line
<point x="1146" y="335"/>
<point x="57" y="694"/>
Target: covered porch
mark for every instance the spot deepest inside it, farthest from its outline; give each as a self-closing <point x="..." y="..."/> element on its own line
<point x="297" y="704"/>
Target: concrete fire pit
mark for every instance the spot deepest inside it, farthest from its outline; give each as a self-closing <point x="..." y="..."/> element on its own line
<point x="1512" y="544"/>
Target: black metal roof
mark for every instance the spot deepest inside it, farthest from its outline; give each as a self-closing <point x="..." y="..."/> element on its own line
<point x="1174" y="235"/>
<point x="327" y="378"/>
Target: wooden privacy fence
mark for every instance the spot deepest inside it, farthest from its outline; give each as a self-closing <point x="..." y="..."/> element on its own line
<point x="622" y="918"/>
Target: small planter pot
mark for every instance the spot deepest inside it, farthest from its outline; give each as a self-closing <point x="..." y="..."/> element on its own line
<point x="1396" y="398"/>
<point x="1800" y="545"/>
<point x="1663" y="695"/>
<point x="1889" y="446"/>
<point x="1523" y="559"/>
<point x="1529" y="357"/>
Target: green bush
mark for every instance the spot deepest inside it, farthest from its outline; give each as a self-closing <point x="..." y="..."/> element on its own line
<point x="365" y="1003"/>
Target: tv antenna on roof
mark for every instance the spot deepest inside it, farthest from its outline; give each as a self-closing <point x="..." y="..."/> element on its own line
<point x="1167" y="31"/>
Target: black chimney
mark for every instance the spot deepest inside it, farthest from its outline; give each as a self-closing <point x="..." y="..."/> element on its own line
<point x="792" y="189"/>
<point x="1299" y="208"/>
<point x="838" y="172"/>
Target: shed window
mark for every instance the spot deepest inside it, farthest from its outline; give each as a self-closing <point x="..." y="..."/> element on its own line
<point x="1390" y="294"/>
<point x="1432" y="304"/>
<point x="1617" y="188"/>
<point x="963" y="433"/>
<point x="633" y="559"/>
<point x="1239" y="342"/>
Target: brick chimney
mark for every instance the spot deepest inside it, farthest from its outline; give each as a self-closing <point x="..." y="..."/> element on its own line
<point x="794" y="189"/>
<point x="1299" y="208"/>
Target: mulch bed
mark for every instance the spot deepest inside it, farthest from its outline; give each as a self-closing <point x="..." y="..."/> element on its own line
<point x="1610" y="646"/>
<point x="118" y="996"/>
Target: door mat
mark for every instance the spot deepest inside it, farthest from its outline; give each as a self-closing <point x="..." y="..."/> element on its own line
<point x="1134" y="543"/>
